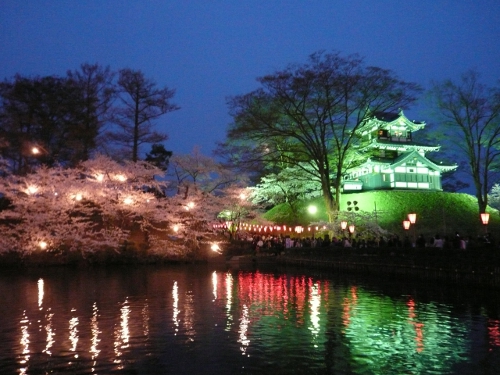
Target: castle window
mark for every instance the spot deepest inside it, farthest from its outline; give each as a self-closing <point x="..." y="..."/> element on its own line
<point x="383" y="133"/>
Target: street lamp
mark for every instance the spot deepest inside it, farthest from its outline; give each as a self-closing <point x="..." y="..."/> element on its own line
<point x="343" y="225"/>
<point x="406" y="224"/>
<point x="312" y="209"/>
<point x="485" y="218"/>
<point x="351" y="229"/>
<point x="412" y="218"/>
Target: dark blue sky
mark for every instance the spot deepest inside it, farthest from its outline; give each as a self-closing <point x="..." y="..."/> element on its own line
<point x="208" y="50"/>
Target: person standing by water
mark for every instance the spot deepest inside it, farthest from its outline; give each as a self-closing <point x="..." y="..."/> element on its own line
<point x="438" y="241"/>
<point x="421" y="241"/>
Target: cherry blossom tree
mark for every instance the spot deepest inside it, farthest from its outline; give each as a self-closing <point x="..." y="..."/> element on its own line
<point x="494" y="196"/>
<point x="102" y="205"/>
<point x="222" y="193"/>
<point x="290" y="186"/>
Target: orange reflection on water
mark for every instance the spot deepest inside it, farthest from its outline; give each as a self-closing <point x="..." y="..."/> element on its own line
<point x="25" y="342"/>
<point x="145" y="320"/>
<point x="214" y="284"/>
<point x="122" y="334"/>
<point x="175" y="307"/>
<point x="299" y="294"/>
<point x="94" y="341"/>
<point x="229" y="300"/>
<point x="73" y="333"/>
<point x="40" y="293"/>
<point x="419" y="334"/>
<point x="243" y="330"/>
<point x="189" y="316"/>
<point x="50" y="334"/>
<point x="315" y="304"/>
<point x="348" y="305"/>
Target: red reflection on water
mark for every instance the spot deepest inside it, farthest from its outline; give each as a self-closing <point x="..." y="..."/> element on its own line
<point x="494" y="332"/>
<point x="348" y="305"/>
<point x="268" y="294"/>
<point x="419" y="334"/>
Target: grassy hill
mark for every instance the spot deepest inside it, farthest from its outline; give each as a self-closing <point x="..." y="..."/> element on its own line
<point x="437" y="212"/>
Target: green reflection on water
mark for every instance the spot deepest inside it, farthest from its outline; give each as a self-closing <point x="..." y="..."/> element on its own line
<point x="352" y="329"/>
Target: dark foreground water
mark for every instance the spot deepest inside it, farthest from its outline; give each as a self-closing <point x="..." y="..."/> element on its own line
<point x="208" y="320"/>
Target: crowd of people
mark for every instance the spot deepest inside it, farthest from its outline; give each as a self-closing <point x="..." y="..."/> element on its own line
<point x="276" y="243"/>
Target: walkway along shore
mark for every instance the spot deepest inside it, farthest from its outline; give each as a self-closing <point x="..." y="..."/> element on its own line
<point x="478" y="267"/>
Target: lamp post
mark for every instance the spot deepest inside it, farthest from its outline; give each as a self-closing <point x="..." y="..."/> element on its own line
<point x="485" y="218"/>
<point x="351" y="230"/>
<point x="406" y="224"/>
<point x="412" y="218"/>
<point x="312" y="210"/>
<point x="343" y="225"/>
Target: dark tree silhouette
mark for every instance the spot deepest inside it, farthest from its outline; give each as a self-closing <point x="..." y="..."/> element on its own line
<point x="159" y="156"/>
<point x="142" y="102"/>
<point x="471" y="111"/>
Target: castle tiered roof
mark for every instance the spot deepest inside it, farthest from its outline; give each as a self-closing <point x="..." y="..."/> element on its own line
<point x="389" y="121"/>
<point x="392" y="159"/>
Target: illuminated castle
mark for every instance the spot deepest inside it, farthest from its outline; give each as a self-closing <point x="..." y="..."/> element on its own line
<point x="392" y="159"/>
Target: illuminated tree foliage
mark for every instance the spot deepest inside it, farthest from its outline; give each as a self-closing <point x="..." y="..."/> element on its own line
<point x="198" y="173"/>
<point x="471" y="113"/>
<point x="290" y="186"/>
<point x="307" y="115"/>
<point x="494" y="196"/>
<point x="99" y="205"/>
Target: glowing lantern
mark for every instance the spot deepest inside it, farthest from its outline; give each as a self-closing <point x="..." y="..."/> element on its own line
<point x="485" y="218"/>
<point x="412" y="218"/>
<point x="32" y="189"/>
<point x="215" y="247"/>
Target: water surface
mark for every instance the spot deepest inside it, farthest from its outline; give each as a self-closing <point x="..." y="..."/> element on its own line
<point x="212" y="320"/>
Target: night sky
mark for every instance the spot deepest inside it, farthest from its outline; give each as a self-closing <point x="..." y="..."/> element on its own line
<point x="208" y="50"/>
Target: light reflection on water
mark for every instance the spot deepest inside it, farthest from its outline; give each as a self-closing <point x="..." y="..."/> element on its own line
<point x="182" y="320"/>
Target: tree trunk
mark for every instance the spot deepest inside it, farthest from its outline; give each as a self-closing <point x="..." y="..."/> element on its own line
<point x="330" y="205"/>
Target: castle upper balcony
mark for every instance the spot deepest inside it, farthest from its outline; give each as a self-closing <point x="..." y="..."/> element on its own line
<point x="385" y="135"/>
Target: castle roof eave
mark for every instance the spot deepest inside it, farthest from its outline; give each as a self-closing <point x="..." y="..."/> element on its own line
<point x="390" y="145"/>
<point x="386" y="120"/>
<point x="404" y="158"/>
<point x="415" y="154"/>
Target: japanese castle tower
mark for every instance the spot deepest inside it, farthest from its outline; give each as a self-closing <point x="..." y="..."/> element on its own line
<point x="392" y="159"/>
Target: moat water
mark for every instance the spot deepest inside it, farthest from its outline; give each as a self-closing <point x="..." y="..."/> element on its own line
<point x="210" y="319"/>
